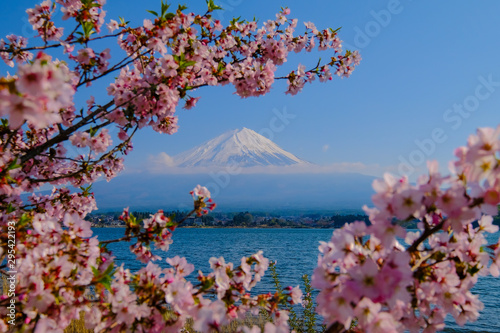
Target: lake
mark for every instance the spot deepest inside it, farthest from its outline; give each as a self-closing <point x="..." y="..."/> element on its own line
<point x="296" y="253"/>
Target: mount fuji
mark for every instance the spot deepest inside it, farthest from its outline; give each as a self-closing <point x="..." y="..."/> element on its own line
<point x="244" y="148"/>
<point x="266" y="178"/>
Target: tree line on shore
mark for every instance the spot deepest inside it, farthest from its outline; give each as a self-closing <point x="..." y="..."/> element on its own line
<point x="248" y="219"/>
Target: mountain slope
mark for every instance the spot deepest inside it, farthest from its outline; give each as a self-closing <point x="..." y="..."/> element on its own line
<point x="244" y="148"/>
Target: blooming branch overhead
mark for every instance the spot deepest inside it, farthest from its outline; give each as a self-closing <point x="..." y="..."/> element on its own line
<point x="161" y="64"/>
<point x="364" y="274"/>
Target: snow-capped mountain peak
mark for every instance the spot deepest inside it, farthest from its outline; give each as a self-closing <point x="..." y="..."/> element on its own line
<point x="242" y="147"/>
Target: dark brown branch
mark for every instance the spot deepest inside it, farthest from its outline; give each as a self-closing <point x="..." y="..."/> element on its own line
<point x="103" y="157"/>
<point x="11" y="135"/>
<point x="116" y="67"/>
<point x="336" y="327"/>
<point x="427" y="232"/>
<point x="62" y="136"/>
<point x="59" y="44"/>
<point x="71" y="34"/>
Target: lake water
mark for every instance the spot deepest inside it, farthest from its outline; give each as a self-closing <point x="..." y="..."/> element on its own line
<point x="296" y="253"/>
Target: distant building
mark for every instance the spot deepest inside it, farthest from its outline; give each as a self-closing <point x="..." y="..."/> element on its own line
<point x="189" y="221"/>
<point x="260" y="220"/>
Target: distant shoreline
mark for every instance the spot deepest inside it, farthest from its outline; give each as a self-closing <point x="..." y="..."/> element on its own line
<point x="222" y="227"/>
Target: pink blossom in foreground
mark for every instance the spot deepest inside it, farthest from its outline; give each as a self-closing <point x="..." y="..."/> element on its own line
<point x="41" y="90"/>
<point x="201" y="191"/>
<point x="391" y="288"/>
<point x="363" y="272"/>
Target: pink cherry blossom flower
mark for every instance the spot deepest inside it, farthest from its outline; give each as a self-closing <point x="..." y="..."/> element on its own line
<point x="201" y="192"/>
<point x="80" y="139"/>
<point x="47" y="325"/>
<point x="486" y="224"/>
<point x="78" y="226"/>
<point x="181" y="265"/>
<point x="85" y="56"/>
<point x="296" y="295"/>
<point x="364" y="279"/>
<point x="383" y="323"/>
<point x="191" y="103"/>
<point x="366" y="311"/>
<point x="122" y="135"/>
<point x="112" y="26"/>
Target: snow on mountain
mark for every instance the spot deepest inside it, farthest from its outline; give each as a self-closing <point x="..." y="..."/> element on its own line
<point x="244" y="148"/>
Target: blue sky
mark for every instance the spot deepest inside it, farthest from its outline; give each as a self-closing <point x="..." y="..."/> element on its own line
<point x="420" y="58"/>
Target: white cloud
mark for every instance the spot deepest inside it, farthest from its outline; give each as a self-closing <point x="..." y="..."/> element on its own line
<point x="325" y="147"/>
<point x="163" y="164"/>
<point x="358" y="167"/>
<point x="159" y="162"/>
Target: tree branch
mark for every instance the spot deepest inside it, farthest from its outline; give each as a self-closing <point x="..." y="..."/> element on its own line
<point x="91" y="163"/>
<point x="336" y="327"/>
<point x="62" y="136"/>
<point x="424" y="236"/>
<point x="128" y="238"/>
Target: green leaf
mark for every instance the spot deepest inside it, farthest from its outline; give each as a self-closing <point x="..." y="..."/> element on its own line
<point x="106" y="282"/>
<point x="153" y="12"/>
<point x="473" y="270"/>
<point x="86" y="190"/>
<point x="13" y="165"/>
<point x="235" y="20"/>
<point x="334" y="31"/>
<point x="110" y="270"/>
<point x="104" y="278"/>
<point x="185" y="64"/>
<point x="212" y="6"/>
<point x="92" y="131"/>
<point x="10" y="208"/>
<point x="164" y="8"/>
<point x="87" y="28"/>
<point x="220" y="67"/>
<point x="23" y="220"/>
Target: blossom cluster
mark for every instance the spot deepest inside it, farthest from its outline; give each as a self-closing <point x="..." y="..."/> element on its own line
<point x="165" y="293"/>
<point x="55" y="256"/>
<point x="40" y="19"/>
<point x="14" y="49"/>
<point x="391" y="280"/>
<point x="58" y="260"/>
<point x="385" y="278"/>
<point x="202" y="201"/>
<point x="380" y="276"/>
<point x="38" y="93"/>
<point x="240" y="54"/>
<point x="166" y="60"/>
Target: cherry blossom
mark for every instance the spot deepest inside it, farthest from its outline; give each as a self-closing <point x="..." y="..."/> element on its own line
<point x="364" y="272"/>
